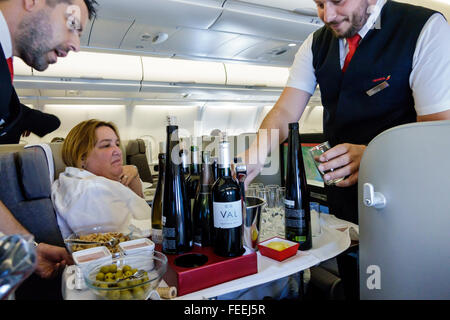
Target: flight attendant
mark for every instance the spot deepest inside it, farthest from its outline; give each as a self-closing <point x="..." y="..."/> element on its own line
<point x="379" y="64"/>
<point x="37" y="31"/>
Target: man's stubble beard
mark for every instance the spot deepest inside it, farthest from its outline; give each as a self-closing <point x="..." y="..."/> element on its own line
<point x="358" y="20"/>
<point x="34" y="34"/>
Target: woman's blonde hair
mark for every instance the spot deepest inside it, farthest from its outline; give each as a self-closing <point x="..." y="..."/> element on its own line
<point x="81" y="140"/>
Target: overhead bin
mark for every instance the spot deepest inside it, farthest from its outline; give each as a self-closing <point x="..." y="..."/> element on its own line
<point x="290" y="5"/>
<point x="108" y="33"/>
<point x="88" y="71"/>
<point x="246" y="18"/>
<point x="189" y="13"/>
<point x="96" y="66"/>
<point x="182" y="71"/>
<point x="253" y="75"/>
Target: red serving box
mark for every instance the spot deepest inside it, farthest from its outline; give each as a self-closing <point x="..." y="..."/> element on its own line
<point x="215" y="271"/>
<point x="276" y="254"/>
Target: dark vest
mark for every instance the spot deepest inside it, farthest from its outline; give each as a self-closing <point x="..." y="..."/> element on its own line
<point x="352" y="116"/>
<point x="10" y="108"/>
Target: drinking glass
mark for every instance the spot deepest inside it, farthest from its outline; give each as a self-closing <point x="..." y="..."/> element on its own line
<point x="272" y="196"/>
<point x="316" y="229"/>
<point x="251" y="192"/>
<point x="316" y="152"/>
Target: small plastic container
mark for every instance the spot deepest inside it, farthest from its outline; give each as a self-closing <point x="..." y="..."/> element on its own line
<point x="96" y="255"/>
<point x="279" y="255"/>
<point x="137" y="246"/>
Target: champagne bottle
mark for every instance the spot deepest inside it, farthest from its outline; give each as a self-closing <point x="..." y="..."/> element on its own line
<point x="227" y="208"/>
<point x="203" y="206"/>
<point x="296" y="204"/>
<point x="185" y="162"/>
<point x="193" y="179"/>
<point x="177" y="223"/>
<point x="157" y="205"/>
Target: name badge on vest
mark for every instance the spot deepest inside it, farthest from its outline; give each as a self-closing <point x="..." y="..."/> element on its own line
<point x="378" y="87"/>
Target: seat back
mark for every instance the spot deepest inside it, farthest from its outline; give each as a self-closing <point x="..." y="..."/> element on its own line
<point x="26" y="192"/>
<point x="136" y="156"/>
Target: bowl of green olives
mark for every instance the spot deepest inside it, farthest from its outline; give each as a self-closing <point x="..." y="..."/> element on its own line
<point x="127" y="277"/>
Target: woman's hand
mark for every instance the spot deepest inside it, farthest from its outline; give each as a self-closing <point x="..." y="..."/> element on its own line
<point x="130" y="178"/>
<point x="129" y="173"/>
<point x="344" y="159"/>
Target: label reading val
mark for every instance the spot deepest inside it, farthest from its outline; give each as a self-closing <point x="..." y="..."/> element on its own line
<point x="227" y="214"/>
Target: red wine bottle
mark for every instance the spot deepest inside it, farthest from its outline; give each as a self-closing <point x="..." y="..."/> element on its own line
<point x="296" y="203"/>
<point x="227" y="207"/>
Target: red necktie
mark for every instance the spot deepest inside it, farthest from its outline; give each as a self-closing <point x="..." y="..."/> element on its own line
<point x="353" y="43"/>
<point x="11" y="69"/>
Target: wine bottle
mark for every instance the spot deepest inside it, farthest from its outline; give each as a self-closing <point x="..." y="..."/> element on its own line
<point x="296" y="203"/>
<point x="157" y="205"/>
<point x="215" y="168"/>
<point x="193" y="179"/>
<point x="177" y="223"/>
<point x="185" y="162"/>
<point x="227" y="207"/>
<point x="203" y="205"/>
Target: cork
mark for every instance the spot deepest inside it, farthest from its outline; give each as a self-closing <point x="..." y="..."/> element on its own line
<point x="167" y="292"/>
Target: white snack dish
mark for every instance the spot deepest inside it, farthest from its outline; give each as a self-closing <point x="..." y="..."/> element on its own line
<point x="85" y="257"/>
<point x="137" y="246"/>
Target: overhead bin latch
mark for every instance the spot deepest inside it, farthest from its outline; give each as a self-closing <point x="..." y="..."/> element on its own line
<point x="372" y="198"/>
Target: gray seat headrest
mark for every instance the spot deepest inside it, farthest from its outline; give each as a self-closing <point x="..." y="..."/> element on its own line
<point x="33" y="173"/>
<point x="132" y="148"/>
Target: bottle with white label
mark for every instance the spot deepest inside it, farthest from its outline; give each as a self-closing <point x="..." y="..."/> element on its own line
<point x="296" y="203"/>
<point x="227" y="207"/>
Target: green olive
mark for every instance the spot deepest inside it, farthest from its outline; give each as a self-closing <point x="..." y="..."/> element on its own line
<point x="138" y="293"/>
<point x="113" y="268"/>
<point x="125" y="295"/>
<point x="119" y="274"/>
<point x="126" y="268"/>
<point x="128" y="273"/>
<point x="113" y="295"/>
<point x="104" y="269"/>
<point x="133" y="282"/>
<point x="122" y="284"/>
<point x="100" y="276"/>
<point x="102" y="292"/>
<point x="109" y="277"/>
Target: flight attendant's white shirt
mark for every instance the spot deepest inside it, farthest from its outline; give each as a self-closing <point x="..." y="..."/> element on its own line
<point x="429" y="79"/>
<point x="5" y="37"/>
<point x="83" y="200"/>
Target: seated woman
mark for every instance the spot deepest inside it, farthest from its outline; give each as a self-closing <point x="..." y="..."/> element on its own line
<point x="96" y="189"/>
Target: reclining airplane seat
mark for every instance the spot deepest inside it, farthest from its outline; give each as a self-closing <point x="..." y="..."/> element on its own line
<point x="135" y="155"/>
<point x="25" y="189"/>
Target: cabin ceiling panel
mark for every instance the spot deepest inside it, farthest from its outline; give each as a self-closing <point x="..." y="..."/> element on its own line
<point x="140" y="37"/>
